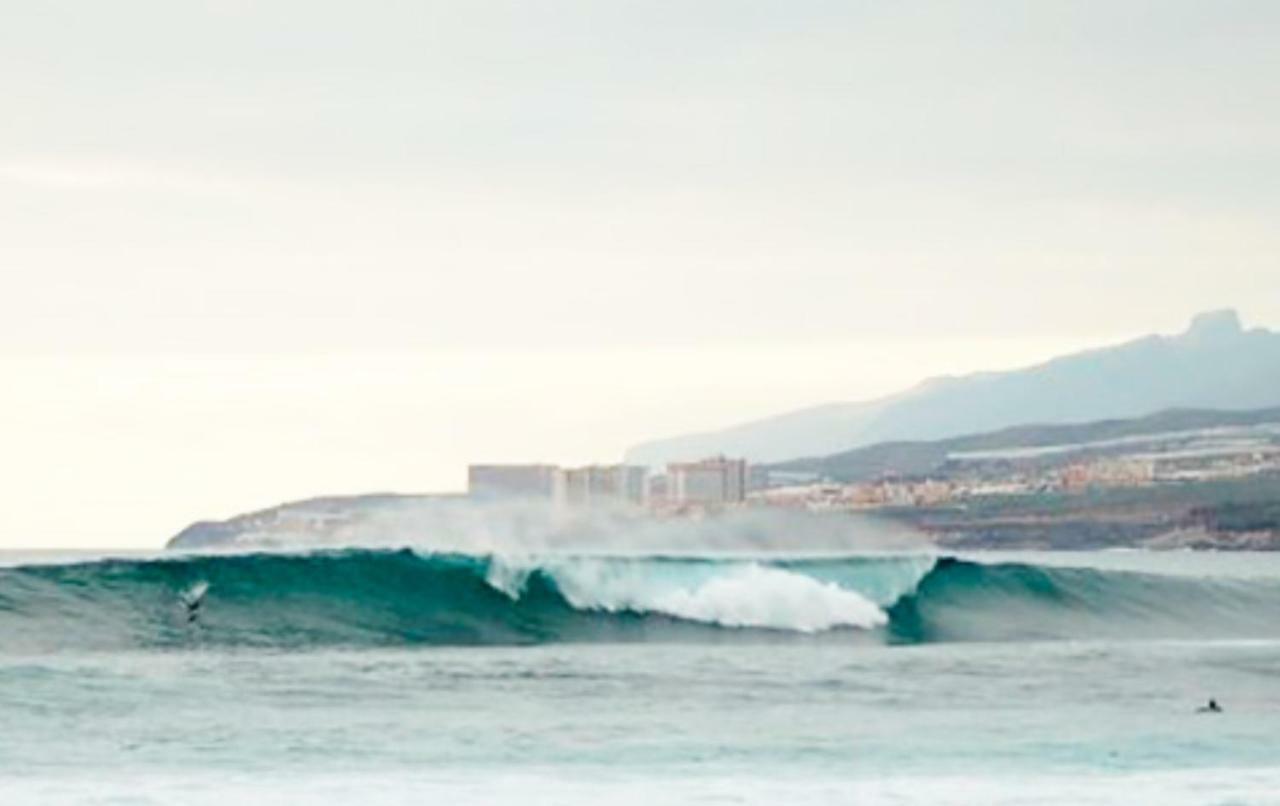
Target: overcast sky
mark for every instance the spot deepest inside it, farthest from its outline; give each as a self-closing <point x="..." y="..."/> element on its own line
<point x="258" y="250"/>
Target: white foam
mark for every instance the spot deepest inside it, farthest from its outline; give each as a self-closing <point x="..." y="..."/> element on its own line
<point x="730" y="594"/>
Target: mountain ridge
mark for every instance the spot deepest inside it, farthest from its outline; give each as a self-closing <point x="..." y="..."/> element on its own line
<point x="1214" y="364"/>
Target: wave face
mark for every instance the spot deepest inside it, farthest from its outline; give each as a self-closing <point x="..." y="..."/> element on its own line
<point x="969" y="601"/>
<point x="387" y="598"/>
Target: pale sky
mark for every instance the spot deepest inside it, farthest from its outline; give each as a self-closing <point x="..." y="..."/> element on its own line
<point x="253" y="251"/>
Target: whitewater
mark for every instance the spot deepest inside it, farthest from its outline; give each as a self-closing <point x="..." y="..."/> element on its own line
<point x="403" y="675"/>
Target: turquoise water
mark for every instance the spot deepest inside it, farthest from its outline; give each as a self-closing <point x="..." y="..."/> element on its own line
<point x="406" y="677"/>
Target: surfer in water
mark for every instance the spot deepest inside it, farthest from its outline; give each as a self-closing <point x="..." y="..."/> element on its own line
<point x="1211" y="708"/>
<point x="192" y="600"/>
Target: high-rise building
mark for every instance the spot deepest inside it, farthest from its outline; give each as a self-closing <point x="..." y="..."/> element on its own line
<point x="658" y="490"/>
<point x="600" y="485"/>
<point x="490" y="482"/>
<point x="710" y="482"/>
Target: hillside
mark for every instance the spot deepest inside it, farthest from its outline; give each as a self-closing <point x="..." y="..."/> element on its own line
<point x="1214" y="364"/>
<point x="325" y="518"/>
<point x="928" y="457"/>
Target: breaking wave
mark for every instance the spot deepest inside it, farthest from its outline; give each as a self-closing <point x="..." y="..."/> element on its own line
<point x="360" y="597"/>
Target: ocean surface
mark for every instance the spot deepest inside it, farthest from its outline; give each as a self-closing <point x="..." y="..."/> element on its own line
<point x="405" y="676"/>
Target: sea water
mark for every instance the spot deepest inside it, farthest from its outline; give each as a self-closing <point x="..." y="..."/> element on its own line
<point x="410" y="677"/>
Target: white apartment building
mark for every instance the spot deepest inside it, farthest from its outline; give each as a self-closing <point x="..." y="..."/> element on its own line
<point x="709" y="482"/>
<point x="491" y="482"/>
<point x="600" y="485"/>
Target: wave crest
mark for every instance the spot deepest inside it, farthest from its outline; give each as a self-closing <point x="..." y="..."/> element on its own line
<point x="736" y="595"/>
<point x="363" y="597"/>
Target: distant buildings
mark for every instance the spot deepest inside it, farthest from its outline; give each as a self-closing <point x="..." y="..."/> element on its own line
<point x="962" y="480"/>
<point x="1080" y="476"/>
<point x="658" y="493"/>
<point x="709" y="482"/>
<point x="493" y="482"/>
<point x="1046" y="473"/>
<point x="577" y="487"/>
<point x="600" y="486"/>
<point x="868" y="495"/>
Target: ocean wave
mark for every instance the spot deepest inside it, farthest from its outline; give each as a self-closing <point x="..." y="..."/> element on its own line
<point x="728" y="594"/>
<point x="963" y="600"/>
<point x="363" y="597"/>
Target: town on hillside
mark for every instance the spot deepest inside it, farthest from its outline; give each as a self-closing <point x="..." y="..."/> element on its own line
<point x="1216" y="486"/>
<point x="715" y="483"/>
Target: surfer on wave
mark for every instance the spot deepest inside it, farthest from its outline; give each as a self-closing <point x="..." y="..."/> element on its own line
<point x="192" y="600"/>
